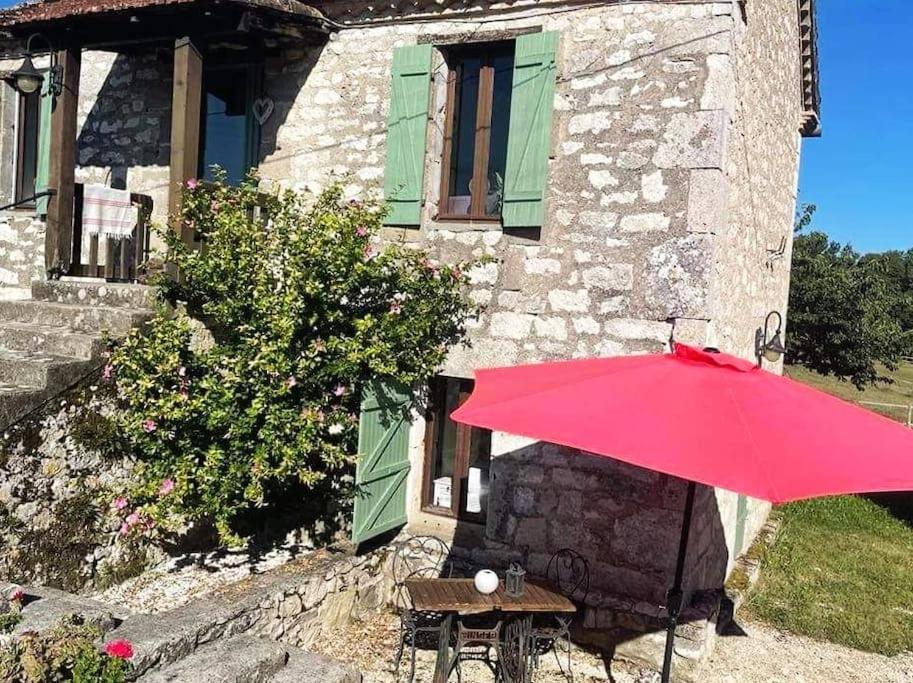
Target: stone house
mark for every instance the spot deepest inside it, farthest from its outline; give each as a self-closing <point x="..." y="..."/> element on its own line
<point x="630" y="165"/>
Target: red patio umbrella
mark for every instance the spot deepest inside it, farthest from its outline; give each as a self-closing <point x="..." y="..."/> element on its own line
<point x="704" y="416"/>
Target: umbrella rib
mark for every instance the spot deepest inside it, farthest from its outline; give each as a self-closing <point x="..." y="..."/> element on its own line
<point x="762" y="471"/>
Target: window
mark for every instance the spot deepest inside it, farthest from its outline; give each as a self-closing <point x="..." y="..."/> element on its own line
<point x="479" y="86"/>
<point x="228" y="132"/>
<point x="27" y="134"/>
<point x="457" y="456"/>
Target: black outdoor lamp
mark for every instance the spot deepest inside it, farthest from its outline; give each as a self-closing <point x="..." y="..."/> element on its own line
<point x="773" y="349"/>
<point x="27" y="79"/>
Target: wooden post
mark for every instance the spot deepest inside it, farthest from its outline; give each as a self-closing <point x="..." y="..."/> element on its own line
<point x="185" y="127"/>
<point x="62" y="167"/>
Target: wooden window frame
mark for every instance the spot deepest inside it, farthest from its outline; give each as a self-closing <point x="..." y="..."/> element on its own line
<point x="20" y="192"/>
<point x="482" y="142"/>
<point x="433" y="431"/>
<point x="252" y="129"/>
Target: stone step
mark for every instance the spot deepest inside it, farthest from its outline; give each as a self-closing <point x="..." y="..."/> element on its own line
<point x="94" y="293"/>
<point x="239" y="659"/>
<point x="16" y="401"/>
<point x="24" y="369"/>
<point x="53" y="341"/>
<point x="115" y="321"/>
<point x="306" y="666"/>
<point x="44" y="607"/>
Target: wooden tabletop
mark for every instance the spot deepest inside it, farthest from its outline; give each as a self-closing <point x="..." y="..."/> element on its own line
<point x="461" y="596"/>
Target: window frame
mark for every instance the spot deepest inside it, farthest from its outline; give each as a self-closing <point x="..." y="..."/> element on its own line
<point x="19" y="191"/>
<point x="437" y="401"/>
<point x="482" y="141"/>
<point x="253" y="85"/>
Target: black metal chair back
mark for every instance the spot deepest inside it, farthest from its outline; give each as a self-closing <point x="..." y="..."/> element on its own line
<point x="421" y="556"/>
<point x="569" y="572"/>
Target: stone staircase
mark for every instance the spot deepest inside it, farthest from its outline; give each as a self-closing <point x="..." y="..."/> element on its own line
<point x="196" y="644"/>
<point x="51" y="341"/>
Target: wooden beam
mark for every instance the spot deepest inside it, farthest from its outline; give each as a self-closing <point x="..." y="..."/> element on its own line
<point x="185" y="127"/>
<point x="58" y="252"/>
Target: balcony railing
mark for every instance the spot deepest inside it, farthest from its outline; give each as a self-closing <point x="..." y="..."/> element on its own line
<point x="123" y="259"/>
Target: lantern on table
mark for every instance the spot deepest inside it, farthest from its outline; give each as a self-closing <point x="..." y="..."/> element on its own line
<point x="514" y="580"/>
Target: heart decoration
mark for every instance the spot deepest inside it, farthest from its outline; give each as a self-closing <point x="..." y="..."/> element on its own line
<point x="263" y="108"/>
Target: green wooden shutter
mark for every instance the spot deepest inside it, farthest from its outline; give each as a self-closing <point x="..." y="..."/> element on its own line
<point x="530" y="131"/>
<point x="741" y="517"/>
<point x="383" y="465"/>
<point x="407" y="127"/>
<point x="44" y="145"/>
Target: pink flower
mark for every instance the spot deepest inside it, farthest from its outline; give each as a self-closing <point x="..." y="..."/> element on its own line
<point x="369" y="252"/>
<point x="124" y="529"/>
<point x="291" y="382"/>
<point x="456" y="273"/>
<point x="395" y="308"/>
<point x="149" y="426"/>
<point x="119" y="649"/>
<point x="339" y="391"/>
<point x="17" y="594"/>
<point x="320" y="345"/>
<point x="361" y="231"/>
<point x="192" y="183"/>
<point x="119" y="503"/>
<point x="132" y="519"/>
<point x="108" y="373"/>
<point x="166" y="487"/>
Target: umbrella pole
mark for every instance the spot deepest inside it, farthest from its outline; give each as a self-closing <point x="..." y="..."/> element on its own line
<point x="674" y="597"/>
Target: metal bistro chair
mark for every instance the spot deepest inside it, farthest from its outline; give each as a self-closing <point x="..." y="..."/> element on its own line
<point x="569" y="572"/>
<point x="418" y="557"/>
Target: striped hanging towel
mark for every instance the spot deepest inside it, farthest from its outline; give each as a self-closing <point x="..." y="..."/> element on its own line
<point x="108" y="212"/>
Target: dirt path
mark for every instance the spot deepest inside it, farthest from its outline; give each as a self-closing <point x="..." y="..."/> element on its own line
<point x="763" y="655"/>
<point x="770" y="656"/>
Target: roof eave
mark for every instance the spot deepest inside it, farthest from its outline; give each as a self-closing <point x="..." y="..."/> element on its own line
<point x="808" y="54"/>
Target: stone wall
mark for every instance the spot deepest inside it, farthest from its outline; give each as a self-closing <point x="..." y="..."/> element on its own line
<point x="55" y="526"/>
<point x="21" y="253"/>
<point x="125" y="122"/>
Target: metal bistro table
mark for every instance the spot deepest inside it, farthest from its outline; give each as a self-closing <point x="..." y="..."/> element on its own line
<point x="459" y="597"/>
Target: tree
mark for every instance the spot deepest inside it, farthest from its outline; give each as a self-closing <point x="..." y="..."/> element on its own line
<point x="300" y="312"/>
<point x="842" y="309"/>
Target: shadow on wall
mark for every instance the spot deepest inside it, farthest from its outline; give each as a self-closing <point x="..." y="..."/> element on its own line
<point x="129" y="124"/>
<point x="626" y="522"/>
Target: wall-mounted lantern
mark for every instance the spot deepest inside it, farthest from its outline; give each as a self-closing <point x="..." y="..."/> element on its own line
<point x="767" y="347"/>
<point x="27" y="79"/>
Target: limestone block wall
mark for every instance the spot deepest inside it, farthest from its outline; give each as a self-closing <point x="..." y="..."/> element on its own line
<point x="21" y="253"/>
<point x="124" y="122"/>
<point x="648" y="235"/>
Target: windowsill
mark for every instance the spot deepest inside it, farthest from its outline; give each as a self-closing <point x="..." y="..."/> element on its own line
<point x="465" y="223"/>
<point x="451" y="530"/>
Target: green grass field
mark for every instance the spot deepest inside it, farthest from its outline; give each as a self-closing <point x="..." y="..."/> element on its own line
<point x="842" y="568"/>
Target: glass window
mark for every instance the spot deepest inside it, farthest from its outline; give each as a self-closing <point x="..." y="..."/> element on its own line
<point x="227" y="128"/>
<point x="27" y="144"/>
<point x="458" y="457"/>
<point x="480" y="81"/>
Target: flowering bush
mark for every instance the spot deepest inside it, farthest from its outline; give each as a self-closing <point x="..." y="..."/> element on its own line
<point x="300" y="311"/>
<point x="66" y="652"/>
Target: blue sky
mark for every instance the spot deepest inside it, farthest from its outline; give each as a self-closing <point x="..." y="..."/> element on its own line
<point x="859" y="172"/>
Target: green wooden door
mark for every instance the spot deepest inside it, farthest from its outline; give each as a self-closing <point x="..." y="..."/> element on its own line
<point x="383" y="464"/>
<point x="44" y="145"/>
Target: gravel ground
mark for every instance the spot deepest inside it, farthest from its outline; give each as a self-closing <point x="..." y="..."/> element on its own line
<point x="762" y="655"/>
<point x="179" y="580"/>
